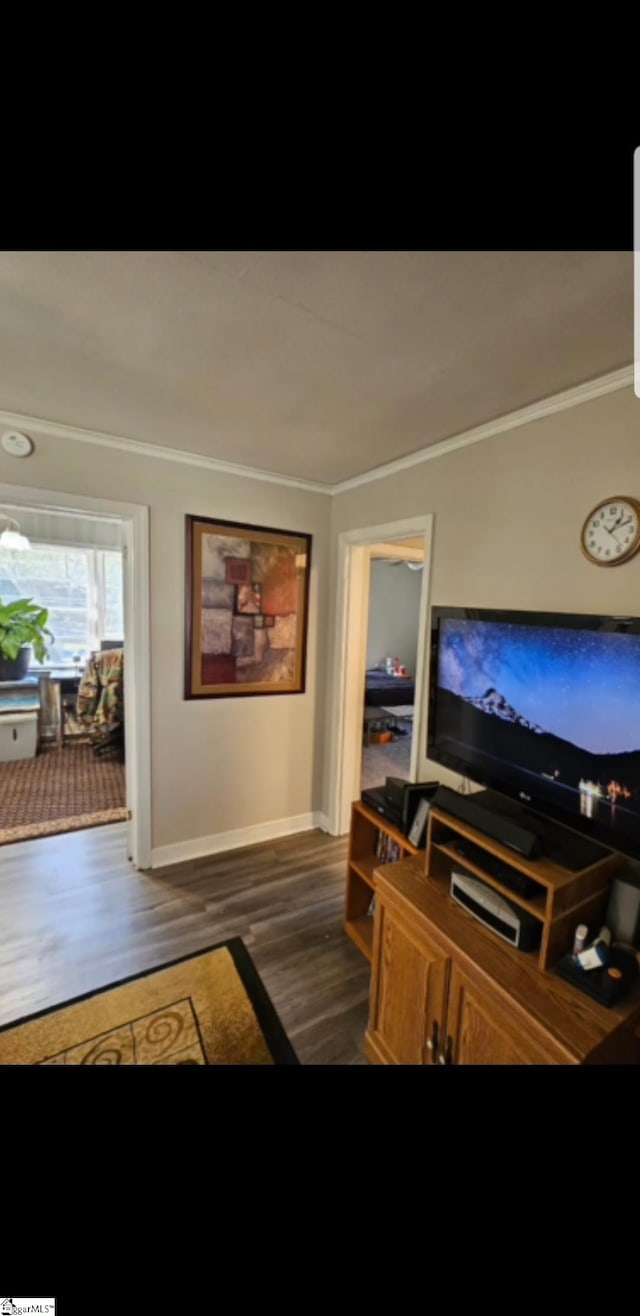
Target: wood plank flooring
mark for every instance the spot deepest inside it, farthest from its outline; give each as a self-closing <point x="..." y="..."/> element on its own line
<point x="74" y="916"/>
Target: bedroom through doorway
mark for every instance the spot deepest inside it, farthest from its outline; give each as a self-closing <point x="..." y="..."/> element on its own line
<point x="358" y="653"/>
<point x="395" y="587"/>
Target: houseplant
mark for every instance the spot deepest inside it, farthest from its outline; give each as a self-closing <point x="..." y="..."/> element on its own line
<point x="23" y="627"/>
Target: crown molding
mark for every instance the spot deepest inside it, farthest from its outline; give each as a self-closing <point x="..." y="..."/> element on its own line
<point x="55" y="430"/>
<point x="571" y="397"/>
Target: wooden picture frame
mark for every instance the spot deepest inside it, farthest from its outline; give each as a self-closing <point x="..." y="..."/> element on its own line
<point x="247" y="606"/>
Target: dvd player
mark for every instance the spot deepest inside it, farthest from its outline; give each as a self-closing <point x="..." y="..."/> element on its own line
<point x="503" y="872"/>
<point x="398" y="800"/>
<point x="376" y="800"/>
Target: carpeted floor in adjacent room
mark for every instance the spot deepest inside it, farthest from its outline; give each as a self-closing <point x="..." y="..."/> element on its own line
<point x="61" y="790"/>
<point x="390" y="760"/>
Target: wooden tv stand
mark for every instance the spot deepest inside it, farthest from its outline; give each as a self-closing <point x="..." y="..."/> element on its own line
<point x="366" y="829"/>
<point x="445" y="989"/>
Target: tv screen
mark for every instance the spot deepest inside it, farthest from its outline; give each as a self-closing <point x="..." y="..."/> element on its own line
<point x="544" y="707"/>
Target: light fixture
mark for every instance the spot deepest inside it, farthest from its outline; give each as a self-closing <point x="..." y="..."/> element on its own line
<point x="11" y="538"/>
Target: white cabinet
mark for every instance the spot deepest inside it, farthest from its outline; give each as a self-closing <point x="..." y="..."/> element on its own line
<point x="18" y="736"/>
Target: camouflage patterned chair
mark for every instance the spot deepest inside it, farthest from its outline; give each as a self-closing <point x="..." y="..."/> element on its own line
<point x="100" y="705"/>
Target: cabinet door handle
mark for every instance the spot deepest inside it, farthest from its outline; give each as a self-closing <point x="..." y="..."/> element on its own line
<point x="446" y="1058"/>
<point x="432" y="1042"/>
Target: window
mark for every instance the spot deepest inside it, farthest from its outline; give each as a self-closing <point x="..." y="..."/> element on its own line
<point x="113" y="619"/>
<point x="81" y="587"/>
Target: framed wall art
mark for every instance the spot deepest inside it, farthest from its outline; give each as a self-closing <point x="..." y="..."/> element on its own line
<point x="247" y="602"/>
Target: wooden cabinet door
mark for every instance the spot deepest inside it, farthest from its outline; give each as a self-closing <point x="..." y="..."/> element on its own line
<point x="408" y="994"/>
<point x="482" y="1029"/>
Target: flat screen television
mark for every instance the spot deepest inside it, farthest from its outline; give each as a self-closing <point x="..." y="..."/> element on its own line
<point x="545" y="709"/>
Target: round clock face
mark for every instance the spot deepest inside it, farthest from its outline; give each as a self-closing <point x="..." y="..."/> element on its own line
<point x="611" y="532"/>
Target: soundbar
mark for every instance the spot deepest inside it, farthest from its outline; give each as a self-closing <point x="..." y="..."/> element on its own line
<point x="486" y="820"/>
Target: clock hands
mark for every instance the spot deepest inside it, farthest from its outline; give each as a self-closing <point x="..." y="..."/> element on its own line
<point x="618" y="526"/>
<point x="611" y="529"/>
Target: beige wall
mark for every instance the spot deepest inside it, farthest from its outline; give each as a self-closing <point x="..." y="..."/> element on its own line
<point x="222" y="764"/>
<point x="508" y="513"/>
<point x="394" y="607"/>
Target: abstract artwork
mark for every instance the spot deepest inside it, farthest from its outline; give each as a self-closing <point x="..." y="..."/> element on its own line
<point x="246" y="614"/>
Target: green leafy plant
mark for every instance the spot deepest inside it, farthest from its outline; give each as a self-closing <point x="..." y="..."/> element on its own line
<point x="23" y="622"/>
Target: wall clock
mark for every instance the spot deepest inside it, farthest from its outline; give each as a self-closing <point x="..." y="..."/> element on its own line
<point x="611" y="532"/>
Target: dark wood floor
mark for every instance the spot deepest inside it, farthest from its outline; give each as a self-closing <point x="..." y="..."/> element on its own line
<point x="74" y="915"/>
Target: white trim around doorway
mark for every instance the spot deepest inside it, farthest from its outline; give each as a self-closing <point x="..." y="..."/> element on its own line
<point x="134" y="518"/>
<point x="349" y="656"/>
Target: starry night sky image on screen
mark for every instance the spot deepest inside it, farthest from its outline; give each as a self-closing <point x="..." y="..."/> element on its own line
<point x="556" y="704"/>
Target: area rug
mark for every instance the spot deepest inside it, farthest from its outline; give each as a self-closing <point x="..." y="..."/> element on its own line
<point x="60" y="790"/>
<point x="206" y="1009"/>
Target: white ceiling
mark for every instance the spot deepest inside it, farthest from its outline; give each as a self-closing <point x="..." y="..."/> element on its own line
<point x="314" y="364"/>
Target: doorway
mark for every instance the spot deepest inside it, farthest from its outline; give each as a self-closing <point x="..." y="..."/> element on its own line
<point x="399" y="542"/>
<point x="86" y="561"/>
<point x="395" y="586"/>
<point x="62" y="749"/>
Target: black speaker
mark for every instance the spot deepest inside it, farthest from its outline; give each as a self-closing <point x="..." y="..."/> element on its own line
<point x="623" y="910"/>
<point x="486" y="820"/>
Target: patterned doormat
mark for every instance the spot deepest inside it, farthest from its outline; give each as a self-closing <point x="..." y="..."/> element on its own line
<point x="60" y="790"/>
<point x="206" y="1009"/>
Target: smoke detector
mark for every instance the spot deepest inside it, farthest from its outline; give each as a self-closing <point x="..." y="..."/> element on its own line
<point x="16" y="444"/>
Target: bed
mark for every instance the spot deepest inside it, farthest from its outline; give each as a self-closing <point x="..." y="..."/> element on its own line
<point x="384" y="691"/>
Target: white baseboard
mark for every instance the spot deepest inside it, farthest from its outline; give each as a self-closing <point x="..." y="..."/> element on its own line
<point x="322" y="821"/>
<point x="201" y="846"/>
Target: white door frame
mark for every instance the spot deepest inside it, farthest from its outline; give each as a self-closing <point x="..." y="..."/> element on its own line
<point x="349" y="657"/>
<point x="135" y="522"/>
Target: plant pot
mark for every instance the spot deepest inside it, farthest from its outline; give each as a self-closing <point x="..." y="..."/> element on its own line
<point x="14" y="669"/>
